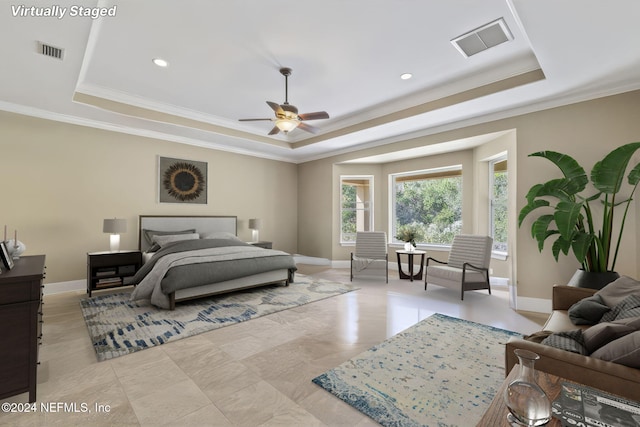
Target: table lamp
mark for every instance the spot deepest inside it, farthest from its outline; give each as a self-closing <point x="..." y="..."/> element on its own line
<point x="254" y="225"/>
<point x="115" y="227"/>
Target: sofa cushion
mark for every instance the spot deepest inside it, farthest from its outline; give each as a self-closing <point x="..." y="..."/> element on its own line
<point x="588" y="311"/>
<point x="560" y="321"/>
<point x="629" y="307"/>
<point x="625" y="351"/>
<point x="603" y="333"/>
<point x="567" y="340"/>
<point x="619" y="289"/>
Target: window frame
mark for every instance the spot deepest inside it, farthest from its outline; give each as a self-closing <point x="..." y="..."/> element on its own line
<point x="444" y="171"/>
<point x="491" y="203"/>
<point x="370" y="209"/>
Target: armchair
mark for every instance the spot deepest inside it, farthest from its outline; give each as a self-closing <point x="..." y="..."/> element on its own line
<point x="371" y="246"/>
<point x="467" y="267"/>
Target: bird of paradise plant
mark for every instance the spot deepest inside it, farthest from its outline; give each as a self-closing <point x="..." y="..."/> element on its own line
<point x="570" y="218"/>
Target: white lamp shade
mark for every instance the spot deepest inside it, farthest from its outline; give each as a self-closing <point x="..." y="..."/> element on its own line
<point x="114" y="226"/>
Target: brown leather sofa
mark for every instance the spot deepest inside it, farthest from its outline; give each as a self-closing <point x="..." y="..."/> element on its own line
<point x="603" y="375"/>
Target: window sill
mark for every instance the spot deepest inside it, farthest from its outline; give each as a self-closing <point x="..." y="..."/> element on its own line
<point x="502" y="256"/>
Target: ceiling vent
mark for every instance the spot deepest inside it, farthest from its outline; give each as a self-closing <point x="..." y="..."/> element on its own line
<point x="52" y="51"/>
<point x="489" y="35"/>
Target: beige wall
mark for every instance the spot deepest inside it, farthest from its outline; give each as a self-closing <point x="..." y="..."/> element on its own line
<point x="586" y="131"/>
<point x="60" y="181"/>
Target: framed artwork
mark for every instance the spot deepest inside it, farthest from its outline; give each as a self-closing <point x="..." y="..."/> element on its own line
<point x="6" y="258"/>
<point x="182" y="181"/>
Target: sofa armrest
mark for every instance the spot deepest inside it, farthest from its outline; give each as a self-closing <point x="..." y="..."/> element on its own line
<point x="565" y="296"/>
<point x="607" y="376"/>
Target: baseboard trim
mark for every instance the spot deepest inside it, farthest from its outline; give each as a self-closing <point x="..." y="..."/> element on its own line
<point x="537" y="305"/>
<point x="60" y="287"/>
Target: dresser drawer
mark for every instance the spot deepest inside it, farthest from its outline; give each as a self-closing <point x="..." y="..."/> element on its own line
<point x="14" y="292"/>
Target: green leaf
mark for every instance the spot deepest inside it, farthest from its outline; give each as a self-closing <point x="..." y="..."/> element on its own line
<point x="566" y="217"/>
<point x="634" y="175"/>
<point x="569" y="167"/>
<point x="533" y="193"/>
<point x="540" y="229"/>
<point x="580" y="245"/>
<point x="608" y="173"/>
<point x="560" y="245"/>
<point x="562" y="188"/>
<point x="530" y="207"/>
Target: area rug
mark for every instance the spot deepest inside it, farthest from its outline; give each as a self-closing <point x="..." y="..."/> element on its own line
<point x="118" y="326"/>
<point x="442" y="371"/>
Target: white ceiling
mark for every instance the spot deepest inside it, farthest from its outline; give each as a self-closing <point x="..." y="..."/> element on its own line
<point x="347" y="57"/>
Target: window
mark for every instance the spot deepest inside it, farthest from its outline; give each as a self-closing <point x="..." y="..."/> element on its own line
<point x="498" y="197"/>
<point x="356" y="200"/>
<point x="429" y="201"/>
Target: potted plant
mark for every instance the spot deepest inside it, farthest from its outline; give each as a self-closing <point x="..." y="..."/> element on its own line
<point x="408" y="233"/>
<point x="565" y="213"/>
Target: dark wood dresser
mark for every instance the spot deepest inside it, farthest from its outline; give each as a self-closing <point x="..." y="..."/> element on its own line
<point x="21" y="331"/>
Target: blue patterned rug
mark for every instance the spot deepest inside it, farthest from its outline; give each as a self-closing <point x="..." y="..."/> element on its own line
<point x="441" y="372"/>
<point x="118" y="326"/>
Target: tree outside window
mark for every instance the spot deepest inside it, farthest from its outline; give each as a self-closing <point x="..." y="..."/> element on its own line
<point x="356" y="196"/>
<point x="430" y="201"/>
<point x="498" y="192"/>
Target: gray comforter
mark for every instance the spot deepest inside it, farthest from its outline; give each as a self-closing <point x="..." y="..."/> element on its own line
<point x="193" y="263"/>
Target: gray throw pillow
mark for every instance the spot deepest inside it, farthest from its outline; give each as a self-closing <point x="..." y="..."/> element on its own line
<point x="219" y="235"/>
<point x="567" y="340"/>
<point x="603" y="333"/>
<point x="148" y="234"/>
<point x="170" y="238"/>
<point x="588" y="311"/>
<point x="625" y="351"/>
<point x="619" y="289"/>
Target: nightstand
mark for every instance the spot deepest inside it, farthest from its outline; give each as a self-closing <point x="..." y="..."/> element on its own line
<point x="262" y="244"/>
<point x="107" y="270"/>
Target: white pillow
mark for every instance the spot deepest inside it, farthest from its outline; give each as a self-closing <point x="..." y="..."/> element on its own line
<point x="219" y="235"/>
<point x="163" y="240"/>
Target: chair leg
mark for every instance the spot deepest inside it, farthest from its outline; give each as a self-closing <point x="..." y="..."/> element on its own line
<point x="387" y="268"/>
<point x="488" y="284"/>
<point x="351" y="267"/>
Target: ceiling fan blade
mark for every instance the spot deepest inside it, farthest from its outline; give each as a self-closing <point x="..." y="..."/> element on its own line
<point x="252" y="120"/>
<point x="275" y="107"/>
<point x="314" y="116"/>
<point x="307" y="128"/>
<point x="274" y="131"/>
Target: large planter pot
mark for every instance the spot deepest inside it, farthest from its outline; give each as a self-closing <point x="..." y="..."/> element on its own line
<point x="592" y="280"/>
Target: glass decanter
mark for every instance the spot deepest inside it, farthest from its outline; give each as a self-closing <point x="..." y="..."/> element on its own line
<point x="528" y="404"/>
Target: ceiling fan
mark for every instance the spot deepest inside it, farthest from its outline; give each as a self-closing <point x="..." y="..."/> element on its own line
<point x="286" y="115"/>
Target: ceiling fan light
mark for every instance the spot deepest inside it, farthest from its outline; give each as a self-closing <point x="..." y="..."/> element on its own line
<point x="287" y="125"/>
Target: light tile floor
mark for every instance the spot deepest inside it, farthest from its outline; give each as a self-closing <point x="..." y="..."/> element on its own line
<point x="256" y="373"/>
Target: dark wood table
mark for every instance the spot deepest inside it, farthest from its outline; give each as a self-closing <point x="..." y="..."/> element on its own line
<point x="410" y="254"/>
<point x="496" y="415"/>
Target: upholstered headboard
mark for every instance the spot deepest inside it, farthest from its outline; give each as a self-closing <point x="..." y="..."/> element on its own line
<point x="202" y="224"/>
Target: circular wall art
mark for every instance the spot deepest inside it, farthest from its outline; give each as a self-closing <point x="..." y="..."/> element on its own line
<point x="182" y="181"/>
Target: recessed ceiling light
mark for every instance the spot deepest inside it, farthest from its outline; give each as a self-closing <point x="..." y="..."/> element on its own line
<point x="406" y="76"/>
<point x="160" y="62"/>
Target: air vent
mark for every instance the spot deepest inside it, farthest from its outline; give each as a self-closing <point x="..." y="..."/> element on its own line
<point x="489" y="35"/>
<point x="52" y="51"/>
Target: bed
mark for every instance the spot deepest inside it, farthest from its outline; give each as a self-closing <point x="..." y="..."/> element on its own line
<point x="188" y="257"/>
